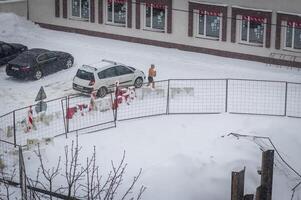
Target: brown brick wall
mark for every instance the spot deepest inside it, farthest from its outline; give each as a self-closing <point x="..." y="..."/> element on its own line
<point x="65" y="9"/>
<point x="92" y="11"/>
<point x="209" y="8"/>
<point x="57" y="8"/>
<point x="246" y="12"/>
<point x="100" y="11"/>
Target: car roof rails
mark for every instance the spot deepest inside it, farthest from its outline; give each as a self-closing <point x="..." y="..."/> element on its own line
<point x="110" y="61"/>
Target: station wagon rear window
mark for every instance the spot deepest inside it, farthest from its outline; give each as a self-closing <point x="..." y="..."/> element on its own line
<point x="82" y="74"/>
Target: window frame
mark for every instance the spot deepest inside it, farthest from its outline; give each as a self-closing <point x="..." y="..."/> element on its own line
<point x="107" y="17"/>
<point x="151" y="19"/>
<point x="293" y="37"/>
<point x="197" y="25"/>
<point x="80" y="18"/>
<point x="248" y="33"/>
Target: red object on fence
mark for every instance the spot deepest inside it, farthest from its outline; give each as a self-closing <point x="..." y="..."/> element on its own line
<point x="30" y="119"/>
<point x="71" y="112"/>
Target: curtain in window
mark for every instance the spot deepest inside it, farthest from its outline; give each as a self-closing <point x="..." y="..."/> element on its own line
<point x="212" y="26"/>
<point x="76" y="8"/>
<point x="85" y="9"/>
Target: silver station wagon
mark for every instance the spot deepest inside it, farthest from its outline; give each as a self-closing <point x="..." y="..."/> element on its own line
<point x="102" y="77"/>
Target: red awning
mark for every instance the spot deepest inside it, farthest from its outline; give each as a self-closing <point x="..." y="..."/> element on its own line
<point x="292" y="23"/>
<point x="254" y="19"/>
<point x="156" y="5"/>
<point x="211" y="13"/>
<point x="117" y="1"/>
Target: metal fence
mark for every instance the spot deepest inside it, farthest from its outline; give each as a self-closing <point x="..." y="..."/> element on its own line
<point x="186" y="96"/>
<point x="174" y="96"/>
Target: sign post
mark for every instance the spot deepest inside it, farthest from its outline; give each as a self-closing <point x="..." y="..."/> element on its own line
<point x="41" y="105"/>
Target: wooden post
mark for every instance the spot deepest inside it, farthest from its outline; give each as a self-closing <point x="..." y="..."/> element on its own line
<point x="249" y="197"/>
<point x="261" y="193"/>
<point x="237" y="185"/>
<point x="267" y="173"/>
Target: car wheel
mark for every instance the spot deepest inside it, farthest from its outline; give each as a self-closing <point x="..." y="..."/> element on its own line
<point x="102" y="92"/>
<point x="138" y="82"/>
<point x="69" y="63"/>
<point x="38" y="74"/>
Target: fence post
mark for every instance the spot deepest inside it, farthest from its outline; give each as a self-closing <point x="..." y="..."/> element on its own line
<point x="285" y="101"/>
<point x="249" y="197"/>
<point x="226" y="98"/>
<point x="237" y="185"/>
<point x="15" y="135"/>
<point x="67" y="118"/>
<point x="22" y="174"/>
<point x="267" y="172"/>
<point x="114" y="109"/>
<point x="167" y="103"/>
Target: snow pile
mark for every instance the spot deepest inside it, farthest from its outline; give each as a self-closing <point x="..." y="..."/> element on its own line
<point x="12" y="24"/>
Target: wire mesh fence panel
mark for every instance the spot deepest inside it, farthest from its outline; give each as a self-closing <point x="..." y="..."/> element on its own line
<point x="9" y="161"/>
<point x="88" y="114"/>
<point x="7" y="127"/>
<point x="143" y="102"/>
<point x="39" y="122"/>
<point x="197" y="96"/>
<point x="256" y="97"/>
<point x="293" y="100"/>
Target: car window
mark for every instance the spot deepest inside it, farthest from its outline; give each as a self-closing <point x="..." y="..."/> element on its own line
<point x="42" y="57"/>
<point x="121" y="70"/>
<point x="101" y="75"/>
<point x="111" y="72"/>
<point x="82" y="74"/>
<point x="7" y="50"/>
<point x="51" y="55"/>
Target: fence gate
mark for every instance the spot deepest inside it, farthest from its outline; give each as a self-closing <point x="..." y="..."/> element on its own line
<point x="81" y="116"/>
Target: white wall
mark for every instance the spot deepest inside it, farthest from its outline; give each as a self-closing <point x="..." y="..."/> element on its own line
<point x="43" y="11"/>
<point x="18" y="7"/>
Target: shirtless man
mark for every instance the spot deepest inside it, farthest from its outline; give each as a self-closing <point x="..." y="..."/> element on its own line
<point x="151" y="74"/>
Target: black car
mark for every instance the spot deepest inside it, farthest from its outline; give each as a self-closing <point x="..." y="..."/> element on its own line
<point x="10" y="51"/>
<point x="36" y="63"/>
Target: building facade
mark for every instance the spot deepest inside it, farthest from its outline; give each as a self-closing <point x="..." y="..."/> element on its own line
<point x="266" y="31"/>
<point x="18" y="7"/>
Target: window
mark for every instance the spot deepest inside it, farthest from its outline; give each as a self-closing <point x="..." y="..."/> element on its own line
<point x="252" y="30"/>
<point x="123" y="70"/>
<point x="116" y="11"/>
<point x="42" y="58"/>
<point x="293" y="35"/>
<point x="155" y="17"/>
<point x="51" y="55"/>
<point x="111" y="72"/>
<point x="81" y="9"/>
<point x="82" y="74"/>
<point x="209" y="24"/>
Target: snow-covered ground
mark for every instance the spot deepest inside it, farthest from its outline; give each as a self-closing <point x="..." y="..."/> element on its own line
<point x="182" y="157"/>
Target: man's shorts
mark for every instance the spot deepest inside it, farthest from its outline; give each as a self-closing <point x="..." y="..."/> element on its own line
<point x="150" y="79"/>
